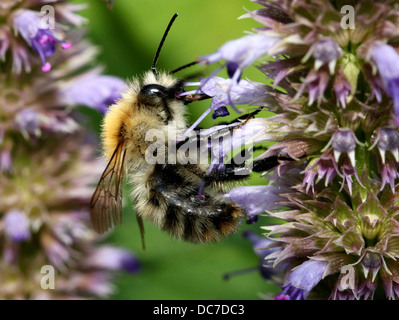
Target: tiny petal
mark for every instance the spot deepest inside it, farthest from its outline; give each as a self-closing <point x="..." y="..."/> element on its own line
<point x="259" y="246"/>
<point x="259" y="243"/>
<point x="371" y="262"/>
<point x="57" y="253"/>
<point x="342" y="88"/>
<point x="243" y="51"/>
<point x="28" y="23"/>
<point x="232" y="68"/>
<point x="304" y="278"/>
<point x="111" y="258"/>
<point x="220" y="112"/>
<point x="255" y="199"/>
<point x="387" y="60"/>
<point x="326" y="50"/>
<point x="28" y="122"/>
<point x="291" y="293"/>
<point x="387" y="139"/>
<point x="283" y="297"/>
<point x="16" y="226"/>
<point x="5" y="161"/>
<point x="226" y="91"/>
<point x="344" y="141"/>
<point x="389" y="173"/>
<point x="97" y="92"/>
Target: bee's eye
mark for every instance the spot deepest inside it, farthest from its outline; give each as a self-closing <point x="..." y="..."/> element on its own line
<point x="153" y="89"/>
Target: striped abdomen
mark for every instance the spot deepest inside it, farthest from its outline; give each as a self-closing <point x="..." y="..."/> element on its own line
<point x="170" y="200"/>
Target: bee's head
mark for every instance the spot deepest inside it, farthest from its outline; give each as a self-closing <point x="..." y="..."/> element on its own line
<point x="161" y="95"/>
<point x="153" y="90"/>
<point x="162" y="89"/>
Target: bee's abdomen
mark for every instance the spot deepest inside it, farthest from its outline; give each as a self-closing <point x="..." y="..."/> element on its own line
<point x="175" y="206"/>
<point x="201" y="222"/>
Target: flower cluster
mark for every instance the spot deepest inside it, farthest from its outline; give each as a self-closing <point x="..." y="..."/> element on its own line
<point x="47" y="167"/>
<point x="335" y="97"/>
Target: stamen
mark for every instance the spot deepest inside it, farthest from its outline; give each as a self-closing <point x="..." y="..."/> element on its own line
<point x="194" y="125"/>
<point x="66" y="45"/>
<point x="201" y="188"/>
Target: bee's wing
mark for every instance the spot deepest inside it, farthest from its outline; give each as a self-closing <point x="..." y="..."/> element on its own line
<point x="106" y="203"/>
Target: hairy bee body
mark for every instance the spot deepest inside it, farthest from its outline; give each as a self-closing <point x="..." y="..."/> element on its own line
<point x="167" y="194"/>
<point x="132" y="118"/>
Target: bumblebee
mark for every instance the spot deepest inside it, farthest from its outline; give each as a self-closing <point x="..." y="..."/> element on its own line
<point x="167" y="193"/>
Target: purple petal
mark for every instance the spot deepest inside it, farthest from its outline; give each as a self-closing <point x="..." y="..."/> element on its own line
<point x="221" y="112"/>
<point x="255" y="199"/>
<point x="5" y="161"/>
<point x="28" y="24"/>
<point x="232" y="68"/>
<point x="326" y="50"/>
<point x="97" y="92"/>
<point x="304" y="278"/>
<point x="291" y="293"/>
<point x="243" y="51"/>
<point x="16" y="226"/>
<point x="387" y="60"/>
<point x="387" y="139"/>
<point x="343" y="140"/>
<point x="224" y="91"/>
<point x="259" y="243"/>
<point x="28" y="121"/>
<point x="111" y="258"/>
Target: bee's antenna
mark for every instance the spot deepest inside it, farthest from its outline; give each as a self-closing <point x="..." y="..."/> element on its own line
<point x="183" y="67"/>
<point x="153" y="68"/>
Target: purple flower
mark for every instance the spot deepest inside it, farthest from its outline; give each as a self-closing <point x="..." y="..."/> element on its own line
<point x="303" y="279"/>
<point x="242" y="52"/>
<point x="4" y="42"/>
<point x="387" y="60"/>
<point x="221" y="112"/>
<point x="344" y="141"/>
<point x="260" y="245"/>
<point x="342" y="87"/>
<point x="5" y="160"/>
<point x="94" y="283"/>
<point x="387" y="139"/>
<point x="224" y="92"/>
<point x="389" y="173"/>
<point x="58" y="253"/>
<point x="114" y="259"/>
<point x="325" y="51"/>
<point x="97" y="92"/>
<point x="42" y="40"/>
<point x="255" y="199"/>
<point x="16" y="226"/>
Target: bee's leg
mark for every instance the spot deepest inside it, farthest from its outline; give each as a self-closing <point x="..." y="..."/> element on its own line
<point x="237" y="169"/>
<point x="235" y="172"/>
<point x="172" y="203"/>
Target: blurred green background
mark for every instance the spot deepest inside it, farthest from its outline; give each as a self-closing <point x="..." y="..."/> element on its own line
<point x="128" y="36"/>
